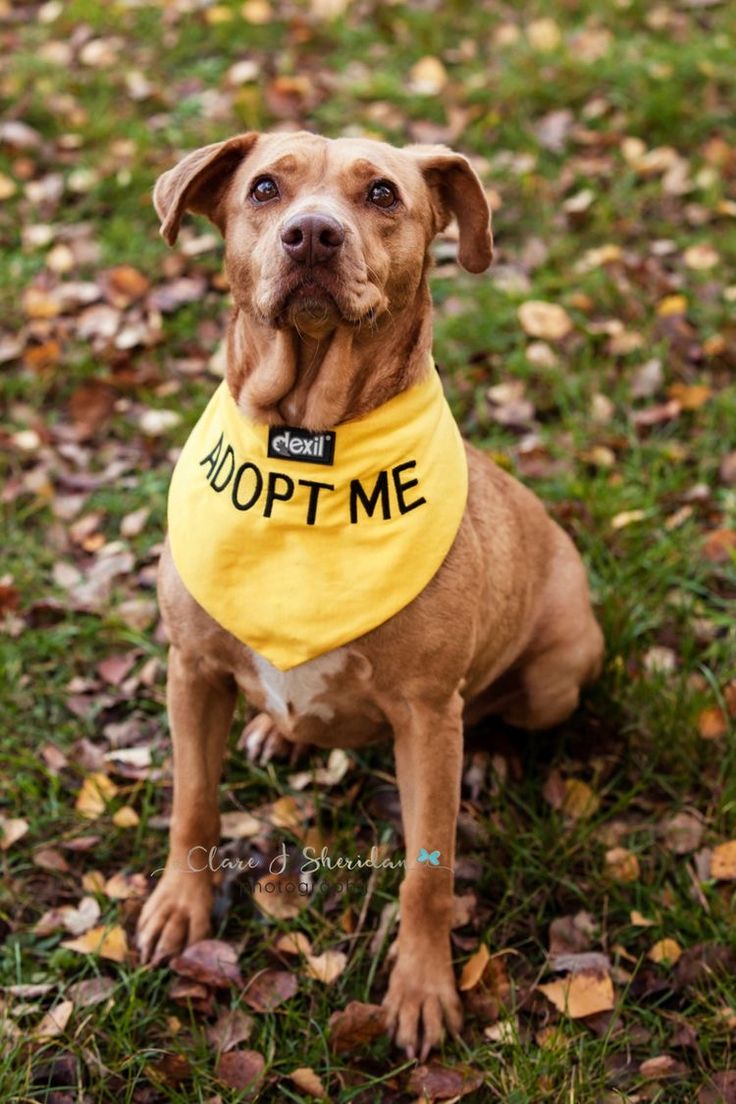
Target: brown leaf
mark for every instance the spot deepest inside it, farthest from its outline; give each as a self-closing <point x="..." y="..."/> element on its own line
<point x="690" y="396"/>
<point x="241" y="1069"/>
<point x="664" y="1065"/>
<point x="11" y="830"/>
<point x="233" y="1027"/>
<point x="124" y="284"/>
<point x="719" y="546"/>
<point x="171" y="1069"/>
<point x="278" y="895"/>
<point x="581" y="994"/>
<point x="683" y="832"/>
<point x="91" y="991"/>
<point x="474" y="968"/>
<point x="437" y="1082"/>
<point x="115" y="668"/>
<point x="269" y="989"/>
<point x="355" y="1025"/>
<point x="211" y="962"/>
<point x="721" y="1090"/>
<point x="90" y="406"/>
<point x="712" y="723"/>
<point x="308" y="1082"/>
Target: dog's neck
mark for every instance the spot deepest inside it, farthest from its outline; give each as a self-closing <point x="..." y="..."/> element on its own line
<point x="320" y="379"/>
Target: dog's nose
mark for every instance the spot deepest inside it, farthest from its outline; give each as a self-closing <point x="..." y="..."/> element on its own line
<point x="312" y="238"/>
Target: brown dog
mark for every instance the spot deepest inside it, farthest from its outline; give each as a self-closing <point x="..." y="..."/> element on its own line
<point x="327" y="253"/>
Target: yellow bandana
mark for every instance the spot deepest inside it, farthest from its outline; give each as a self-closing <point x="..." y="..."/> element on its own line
<point x="296" y="541"/>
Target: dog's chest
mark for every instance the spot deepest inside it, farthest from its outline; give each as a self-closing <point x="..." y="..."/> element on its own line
<point x="301" y="693"/>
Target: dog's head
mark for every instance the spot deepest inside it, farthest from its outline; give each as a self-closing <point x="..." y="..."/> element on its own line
<point x="326" y="230"/>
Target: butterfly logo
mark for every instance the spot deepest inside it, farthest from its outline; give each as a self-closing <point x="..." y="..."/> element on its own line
<point x="429" y="857"/>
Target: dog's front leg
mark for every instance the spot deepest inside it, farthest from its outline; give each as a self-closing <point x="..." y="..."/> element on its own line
<point x="422" y="997"/>
<point x="201" y="708"/>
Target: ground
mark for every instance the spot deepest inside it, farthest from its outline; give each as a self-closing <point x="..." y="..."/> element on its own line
<point x="604" y="134"/>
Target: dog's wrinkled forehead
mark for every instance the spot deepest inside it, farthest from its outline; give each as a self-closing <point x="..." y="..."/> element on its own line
<point x="306" y="163"/>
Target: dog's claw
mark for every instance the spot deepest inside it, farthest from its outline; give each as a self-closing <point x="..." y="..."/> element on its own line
<point x="420" y="1005"/>
<point x="176" y="914"/>
<point x="262" y="740"/>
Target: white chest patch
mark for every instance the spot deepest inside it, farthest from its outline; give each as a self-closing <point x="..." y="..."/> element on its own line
<point x="293" y="694"/>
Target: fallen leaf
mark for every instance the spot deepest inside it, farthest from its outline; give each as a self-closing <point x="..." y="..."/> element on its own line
<point x="210" y="962"/>
<point x="233" y="1027"/>
<point x="579" y="801"/>
<point x="627" y="517"/>
<point x="91" y="991"/>
<point x="428" y="76"/>
<point x="437" y="1082"/>
<point x="712" y="723"/>
<point x="96" y="791"/>
<point x="13" y="829"/>
<point x="296" y="943"/>
<point x="719" y="546"/>
<point x="306" y="1080"/>
<point x="690" y="397"/>
<point x="355" y="1025"/>
<point x="622" y="865"/>
<point x="665" y="950"/>
<point x="723" y="861"/>
<point x="683" y="832"/>
<point x="279" y="896"/>
<point x="326" y="967"/>
<point x="107" y="942"/>
<point x="474" y="968"/>
<point x="126" y="817"/>
<point x="241" y="1069"/>
<point x="701" y="257"/>
<point x="55" y="1021"/>
<point x="238" y="824"/>
<point x="546" y="320"/>
<point x="581" y="994"/>
<point x="269" y="989"/>
<point x="544" y="35"/>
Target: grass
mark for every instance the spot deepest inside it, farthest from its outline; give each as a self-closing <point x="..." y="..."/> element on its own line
<point x="665" y="76"/>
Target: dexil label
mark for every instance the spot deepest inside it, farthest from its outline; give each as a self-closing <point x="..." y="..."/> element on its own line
<point x="293" y="443"/>
<point x="385" y="494"/>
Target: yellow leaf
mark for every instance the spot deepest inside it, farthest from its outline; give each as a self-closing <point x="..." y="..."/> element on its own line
<point x="622" y="864"/>
<point x="690" y="396"/>
<point x="474" y="968"/>
<point x="701" y="257"/>
<point x="579" y="801"/>
<point x="581" y="994"/>
<point x="296" y="943"/>
<point x="326" y="967"/>
<point x="106" y="942"/>
<point x="55" y="1021"/>
<point x="546" y="320"/>
<point x="627" y="517"/>
<point x="126" y="817"/>
<point x="640" y="921"/>
<point x="723" y="861"/>
<point x="544" y="35"/>
<point x="428" y="76"/>
<point x="257" y="12"/>
<point x="97" y="789"/>
<point x="307" y="1081"/>
<point x="218" y="13"/>
<point x="93" y="881"/>
<point x="671" y="304"/>
<point x="665" y="950"/>
<point x="239" y="825"/>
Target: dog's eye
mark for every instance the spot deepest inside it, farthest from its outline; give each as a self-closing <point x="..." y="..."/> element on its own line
<point x="264" y="189"/>
<point x="382" y="194"/>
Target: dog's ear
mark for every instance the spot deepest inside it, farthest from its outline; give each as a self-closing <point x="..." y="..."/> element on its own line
<point x="198" y="183"/>
<point x="456" y="190"/>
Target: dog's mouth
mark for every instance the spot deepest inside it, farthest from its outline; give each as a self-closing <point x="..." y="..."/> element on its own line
<point x="315" y="296"/>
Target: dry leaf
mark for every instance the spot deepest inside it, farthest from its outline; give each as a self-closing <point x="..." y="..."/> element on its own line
<point x="719" y="546"/>
<point x="91" y="991"/>
<point x="665" y="950"/>
<point x="278" y="895"/>
<point x="107" y="942"/>
<point x="238" y="824"/>
<point x="579" y="801"/>
<point x="622" y="865"/>
<point x="12" y="829"/>
<point x="581" y="994"/>
<point x="55" y="1021"/>
<point x="546" y="320"/>
<point x="97" y="790"/>
<point x="474" y="968"/>
<point x="723" y="861"/>
<point x="241" y="1069"/>
<point x="126" y="817"/>
<point x="210" y="962"/>
<point x="355" y="1025"/>
<point x="326" y="967"/>
<point x="683" y="832"/>
<point x="712" y="723"/>
<point x="306" y="1080"/>
<point x="269" y="989"/>
<point x="437" y="1082"/>
<point x="232" y="1028"/>
<point x="296" y="943"/>
<point x="544" y="35"/>
<point x="428" y="76"/>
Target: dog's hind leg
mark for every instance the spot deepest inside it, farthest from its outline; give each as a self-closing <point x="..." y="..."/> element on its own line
<point x="201" y="703"/>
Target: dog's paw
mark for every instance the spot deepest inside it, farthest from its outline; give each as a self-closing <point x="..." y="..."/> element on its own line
<point x="176" y="914"/>
<point x="420" y="1005"/>
<point x="262" y="741"/>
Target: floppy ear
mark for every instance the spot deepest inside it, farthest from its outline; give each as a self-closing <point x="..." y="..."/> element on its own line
<point x="456" y="190"/>
<point x="198" y="183"/>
